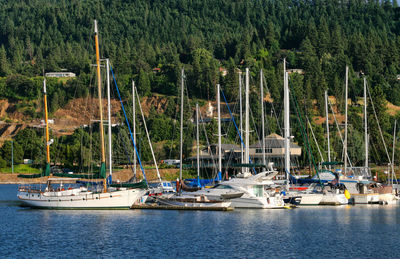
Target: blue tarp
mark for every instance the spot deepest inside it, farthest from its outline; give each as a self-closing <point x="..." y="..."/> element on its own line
<point x="196" y="182"/>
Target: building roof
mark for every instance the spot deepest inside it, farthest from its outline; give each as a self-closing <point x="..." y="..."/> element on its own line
<point x="274" y="141"/>
<point x="226" y="146"/>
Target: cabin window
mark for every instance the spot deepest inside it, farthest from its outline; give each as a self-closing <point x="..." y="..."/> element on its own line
<point x="223" y="187"/>
<point x="258" y="191"/>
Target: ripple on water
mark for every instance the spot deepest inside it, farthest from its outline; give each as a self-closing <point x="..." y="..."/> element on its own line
<point x="340" y="232"/>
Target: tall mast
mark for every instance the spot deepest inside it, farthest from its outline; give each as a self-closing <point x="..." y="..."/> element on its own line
<point x="345" y="121"/>
<point x="286" y="121"/>
<point x="148" y="136"/>
<point x="219" y="133"/>
<point x="134" y="126"/>
<point x="327" y="127"/>
<point x="181" y="137"/>
<point x="262" y="116"/>
<point x="197" y="144"/>
<point x="394" y="147"/>
<point x="103" y="155"/>
<point x="365" y="124"/>
<point x="109" y="117"/>
<point x="247" y="130"/>
<point x="47" y="169"/>
<point x="241" y="119"/>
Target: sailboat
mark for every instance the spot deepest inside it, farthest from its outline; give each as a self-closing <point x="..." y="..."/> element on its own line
<point x="246" y="190"/>
<point x="58" y="195"/>
<point x="358" y="180"/>
<point x="183" y="196"/>
<point x="310" y="195"/>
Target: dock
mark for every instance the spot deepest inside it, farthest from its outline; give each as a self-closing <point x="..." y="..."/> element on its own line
<point x="167" y="207"/>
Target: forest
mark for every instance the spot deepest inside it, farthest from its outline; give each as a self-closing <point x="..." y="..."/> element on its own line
<point x="150" y="41"/>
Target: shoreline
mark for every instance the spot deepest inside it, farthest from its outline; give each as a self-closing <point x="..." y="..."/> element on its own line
<point x="121" y="175"/>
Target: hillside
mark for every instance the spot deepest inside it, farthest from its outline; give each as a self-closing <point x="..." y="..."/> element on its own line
<point x="151" y="41"/>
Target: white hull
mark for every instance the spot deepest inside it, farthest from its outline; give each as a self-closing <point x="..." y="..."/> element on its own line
<point x="387" y="198"/>
<point x="309" y="199"/>
<point x="366" y="198"/>
<point x="334" y="199"/>
<point x="258" y="203"/>
<point x="176" y="202"/>
<point x="249" y="202"/>
<point x="121" y="199"/>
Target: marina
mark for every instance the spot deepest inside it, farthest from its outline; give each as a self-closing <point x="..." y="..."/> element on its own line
<point x="199" y="129"/>
<point x="333" y="231"/>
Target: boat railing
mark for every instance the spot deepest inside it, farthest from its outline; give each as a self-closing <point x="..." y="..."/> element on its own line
<point x="30" y="189"/>
<point x="356" y="172"/>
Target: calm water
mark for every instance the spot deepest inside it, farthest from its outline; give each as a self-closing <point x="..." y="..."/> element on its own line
<point x="312" y="232"/>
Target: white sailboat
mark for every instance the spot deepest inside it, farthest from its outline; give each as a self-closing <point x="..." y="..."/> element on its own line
<point x="58" y="195"/>
<point x="309" y="196"/>
<point x="246" y="190"/>
<point x="362" y="189"/>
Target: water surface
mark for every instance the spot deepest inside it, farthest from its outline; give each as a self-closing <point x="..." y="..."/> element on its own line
<point x="368" y="231"/>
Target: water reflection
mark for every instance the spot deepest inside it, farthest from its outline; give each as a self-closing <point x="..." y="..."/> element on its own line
<point x="343" y="231"/>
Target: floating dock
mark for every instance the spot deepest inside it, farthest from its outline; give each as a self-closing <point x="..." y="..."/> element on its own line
<point x="167" y="207"/>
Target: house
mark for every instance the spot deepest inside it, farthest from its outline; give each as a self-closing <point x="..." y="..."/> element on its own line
<point x="223" y="71"/>
<point x="296" y="70"/>
<point x="274" y="150"/>
<point x="60" y="74"/>
<point x="231" y="154"/>
<point x="156" y="70"/>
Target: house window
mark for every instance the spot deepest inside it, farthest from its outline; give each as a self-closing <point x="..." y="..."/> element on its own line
<point x="267" y="150"/>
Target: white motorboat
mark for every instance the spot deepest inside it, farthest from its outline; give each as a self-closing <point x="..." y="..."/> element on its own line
<point x="250" y="192"/>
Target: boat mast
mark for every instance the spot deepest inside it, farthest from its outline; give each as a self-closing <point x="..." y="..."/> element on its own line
<point x="219" y="133"/>
<point x="181" y="137"/>
<point x="103" y="155"/>
<point x="109" y="117"/>
<point x="327" y="127"/>
<point x="148" y="136"/>
<point x="247" y="130"/>
<point x="197" y="144"/>
<point x="365" y="124"/>
<point x="47" y="169"/>
<point x="241" y="119"/>
<point x="345" y="121"/>
<point x="286" y="121"/>
<point x="262" y="117"/>
<point x="134" y="126"/>
<point x="394" y="147"/>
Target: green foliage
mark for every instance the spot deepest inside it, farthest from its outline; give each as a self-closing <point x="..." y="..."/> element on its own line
<point x="320" y="37"/>
<point x="32" y="142"/>
<point x="3" y="163"/>
<point x="23" y="169"/>
<point x="8" y="149"/>
<point x="144" y="84"/>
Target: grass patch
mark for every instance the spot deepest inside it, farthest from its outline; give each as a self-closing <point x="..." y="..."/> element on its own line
<point x="18" y="169"/>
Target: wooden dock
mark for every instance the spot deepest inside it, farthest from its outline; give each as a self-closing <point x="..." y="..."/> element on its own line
<point x="167" y="207"/>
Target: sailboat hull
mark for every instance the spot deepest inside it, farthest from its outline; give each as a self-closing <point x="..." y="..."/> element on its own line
<point x="122" y="199"/>
<point x="334" y="199"/>
<point x="310" y="199"/>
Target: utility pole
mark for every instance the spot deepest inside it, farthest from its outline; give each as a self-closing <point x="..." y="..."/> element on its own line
<point x="12" y="156"/>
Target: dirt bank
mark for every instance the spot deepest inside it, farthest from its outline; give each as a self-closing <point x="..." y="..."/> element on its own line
<point x="121" y="175"/>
